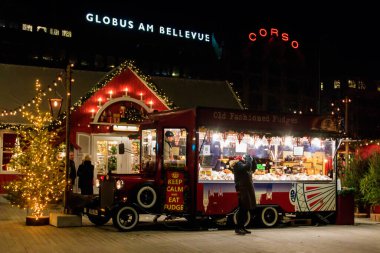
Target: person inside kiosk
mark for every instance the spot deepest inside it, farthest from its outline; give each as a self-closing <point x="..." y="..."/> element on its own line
<point x="168" y="146"/>
<point x="174" y="148"/>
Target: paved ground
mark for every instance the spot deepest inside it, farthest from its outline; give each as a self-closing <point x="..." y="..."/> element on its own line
<point x="163" y="237"/>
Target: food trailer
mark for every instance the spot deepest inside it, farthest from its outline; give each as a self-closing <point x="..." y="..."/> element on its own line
<point x="295" y="168"/>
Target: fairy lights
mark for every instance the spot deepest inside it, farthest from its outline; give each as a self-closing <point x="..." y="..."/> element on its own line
<point x="114" y="73"/>
<point x="35" y="159"/>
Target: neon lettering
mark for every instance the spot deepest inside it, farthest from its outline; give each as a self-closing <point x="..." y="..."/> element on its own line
<point x="285" y="37"/>
<point x="106" y="20"/>
<point x="273" y="32"/>
<point x="252" y="36"/>
<point x="89" y="17"/>
<point x="263" y="32"/>
<point x="129" y="24"/>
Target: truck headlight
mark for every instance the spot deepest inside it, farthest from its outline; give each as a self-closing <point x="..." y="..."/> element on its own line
<point x="97" y="183"/>
<point x="119" y="184"/>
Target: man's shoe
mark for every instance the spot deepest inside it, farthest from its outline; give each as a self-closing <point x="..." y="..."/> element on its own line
<point x="246" y="231"/>
<point x="240" y="232"/>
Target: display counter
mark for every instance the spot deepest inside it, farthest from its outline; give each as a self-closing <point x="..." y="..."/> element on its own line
<point x="223" y="176"/>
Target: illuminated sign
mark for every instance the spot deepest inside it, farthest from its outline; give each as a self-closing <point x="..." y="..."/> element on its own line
<point x="130" y="128"/>
<point x="272" y="32"/>
<point x="144" y="27"/>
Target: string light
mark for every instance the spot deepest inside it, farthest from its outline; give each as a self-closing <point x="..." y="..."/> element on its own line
<point x="128" y="64"/>
<point x="35" y="158"/>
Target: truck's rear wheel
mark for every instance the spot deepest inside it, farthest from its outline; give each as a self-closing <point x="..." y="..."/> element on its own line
<point x="125" y="218"/>
<point x="269" y="216"/>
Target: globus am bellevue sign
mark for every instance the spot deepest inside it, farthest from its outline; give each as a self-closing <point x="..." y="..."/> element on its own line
<point x="272" y="32"/>
<point x="145" y="27"/>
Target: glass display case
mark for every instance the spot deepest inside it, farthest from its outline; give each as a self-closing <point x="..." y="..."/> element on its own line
<point x="277" y="157"/>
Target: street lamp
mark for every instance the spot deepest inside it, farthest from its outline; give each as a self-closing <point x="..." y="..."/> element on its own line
<point x="67" y="137"/>
<point x="55" y="105"/>
<point x="346" y="100"/>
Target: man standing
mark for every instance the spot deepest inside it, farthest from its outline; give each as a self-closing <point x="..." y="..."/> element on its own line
<point x="242" y="169"/>
<point x="72" y="172"/>
<point x="168" y="153"/>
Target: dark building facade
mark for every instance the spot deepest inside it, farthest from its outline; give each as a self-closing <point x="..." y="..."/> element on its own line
<point x="274" y="67"/>
<point x="101" y="37"/>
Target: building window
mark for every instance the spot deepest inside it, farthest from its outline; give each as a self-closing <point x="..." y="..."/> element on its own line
<point x="361" y="85"/>
<point x="47" y="58"/>
<point x="54" y="31"/>
<point x="27" y="27"/>
<point x="322" y="86"/>
<point x="66" y="33"/>
<point x="8" y="142"/>
<point x="351" y="84"/>
<point x="41" y="29"/>
<point x="336" y="84"/>
<point x="378" y="87"/>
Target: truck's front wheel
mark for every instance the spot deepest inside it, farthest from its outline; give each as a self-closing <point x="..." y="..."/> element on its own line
<point x="125" y="218"/>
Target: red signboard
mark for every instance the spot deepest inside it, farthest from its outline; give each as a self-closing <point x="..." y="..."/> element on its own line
<point x="174" y="201"/>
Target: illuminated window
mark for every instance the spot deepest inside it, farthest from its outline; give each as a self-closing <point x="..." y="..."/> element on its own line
<point x="174" y="147"/>
<point x="336" y="84"/>
<point x="41" y="29"/>
<point x="66" y="33"/>
<point x="54" y="31"/>
<point x="27" y="27"/>
<point x="47" y="58"/>
<point x="351" y="84"/>
<point x="322" y="86"/>
<point x="378" y="88"/>
<point x="361" y="85"/>
<point x="148" y="151"/>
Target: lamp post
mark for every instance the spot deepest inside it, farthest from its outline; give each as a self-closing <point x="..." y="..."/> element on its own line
<point x="346" y="100"/>
<point x="67" y="138"/>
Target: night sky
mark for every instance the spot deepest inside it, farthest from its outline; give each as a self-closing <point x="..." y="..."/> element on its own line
<point x="346" y="38"/>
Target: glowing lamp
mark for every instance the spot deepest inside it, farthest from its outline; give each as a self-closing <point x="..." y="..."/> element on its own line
<point x="55" y="105"/>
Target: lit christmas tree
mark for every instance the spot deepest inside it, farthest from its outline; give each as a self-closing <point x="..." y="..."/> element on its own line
<point x="36" y="158"/>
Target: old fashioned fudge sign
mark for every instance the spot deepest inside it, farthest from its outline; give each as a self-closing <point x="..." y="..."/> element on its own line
<point x="174" y="201"/>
